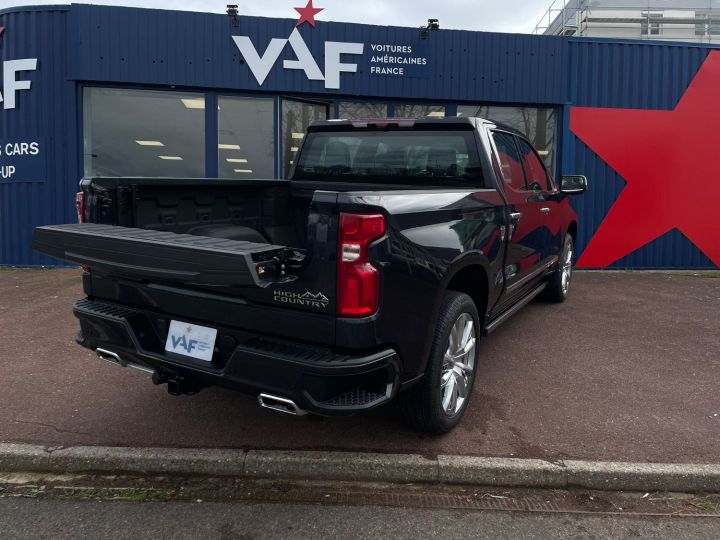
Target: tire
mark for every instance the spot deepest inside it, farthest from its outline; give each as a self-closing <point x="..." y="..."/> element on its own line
<point x="423" y="405"/>
<point x="558" y="288"/>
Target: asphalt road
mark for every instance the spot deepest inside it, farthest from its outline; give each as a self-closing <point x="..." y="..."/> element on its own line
<point x="59" y="519"/>
<point x="627" y="369"/>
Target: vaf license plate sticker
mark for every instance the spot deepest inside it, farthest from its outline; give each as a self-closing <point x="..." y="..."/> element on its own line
<point x="191" y="340"/>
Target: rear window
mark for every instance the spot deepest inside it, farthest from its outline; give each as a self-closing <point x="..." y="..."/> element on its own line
<point x="439" y="158"/>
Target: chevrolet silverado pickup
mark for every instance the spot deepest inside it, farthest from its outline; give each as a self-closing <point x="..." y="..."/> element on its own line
<point x="368" y="276"/>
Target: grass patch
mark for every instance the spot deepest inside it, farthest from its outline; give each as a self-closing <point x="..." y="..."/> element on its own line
<point x="708" y="504"/>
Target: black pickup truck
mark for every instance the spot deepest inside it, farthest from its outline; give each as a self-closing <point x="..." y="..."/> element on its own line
<point x="370" y="274"/>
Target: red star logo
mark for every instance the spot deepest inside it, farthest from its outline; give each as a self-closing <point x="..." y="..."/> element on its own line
<point x="667" y="159"/>
<point x="307" y="14"/>
<point x="188" y="329"/>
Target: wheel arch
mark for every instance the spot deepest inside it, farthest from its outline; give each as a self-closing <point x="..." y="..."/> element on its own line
<point x="473" y="281"/>
<point x="468" y="275"/>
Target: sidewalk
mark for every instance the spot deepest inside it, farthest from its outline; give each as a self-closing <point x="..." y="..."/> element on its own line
<point x="626" y="370"/>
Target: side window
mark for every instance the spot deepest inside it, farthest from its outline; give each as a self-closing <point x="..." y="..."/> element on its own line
<point x="535" y="174"/>
<point x="510" y="164"/>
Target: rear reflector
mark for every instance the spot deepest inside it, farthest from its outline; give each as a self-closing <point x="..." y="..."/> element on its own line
<point x="80" y="206"/>
<point x="358" y="283"/>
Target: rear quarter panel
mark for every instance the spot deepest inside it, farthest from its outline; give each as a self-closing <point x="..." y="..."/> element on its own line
<point x="431" y="234"/>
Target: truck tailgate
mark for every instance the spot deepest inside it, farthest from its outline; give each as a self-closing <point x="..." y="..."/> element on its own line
<point x="161" y="255"/>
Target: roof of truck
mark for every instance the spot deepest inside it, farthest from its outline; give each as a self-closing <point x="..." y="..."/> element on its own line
<point x="409" y="122"/>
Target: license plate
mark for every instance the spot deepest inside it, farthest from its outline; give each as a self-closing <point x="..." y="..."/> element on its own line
<point x="191" y="340"/>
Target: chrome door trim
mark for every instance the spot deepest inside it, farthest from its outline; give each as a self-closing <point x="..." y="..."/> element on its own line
<point x="534" y="273"/>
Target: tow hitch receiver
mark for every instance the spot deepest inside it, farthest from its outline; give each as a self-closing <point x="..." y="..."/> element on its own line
<point x="177" y="386"/>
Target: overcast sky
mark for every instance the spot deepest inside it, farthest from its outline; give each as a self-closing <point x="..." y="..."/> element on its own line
<point x="490" y="15"/>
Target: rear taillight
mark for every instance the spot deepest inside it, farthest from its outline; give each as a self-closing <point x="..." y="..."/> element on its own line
<point x="80" y="206"/>
<point x="358" y="283"/>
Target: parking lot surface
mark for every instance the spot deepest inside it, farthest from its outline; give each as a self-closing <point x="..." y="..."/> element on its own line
<point x="627" y="370"/>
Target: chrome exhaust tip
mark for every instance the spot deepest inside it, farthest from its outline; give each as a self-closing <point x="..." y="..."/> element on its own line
<point x="280" y="404"/>
<point x="114" y="358"/>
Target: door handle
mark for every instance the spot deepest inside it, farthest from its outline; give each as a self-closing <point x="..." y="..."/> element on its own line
<point x="545" y="210"/>
<point x="515" y="216"/>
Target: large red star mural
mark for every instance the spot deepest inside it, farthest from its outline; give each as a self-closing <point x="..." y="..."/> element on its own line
<point x="668" y="159"/>
<point x="307" y="14"/>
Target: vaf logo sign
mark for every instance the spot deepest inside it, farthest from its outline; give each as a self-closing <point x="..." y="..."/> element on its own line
<point x="182" y="341"/>
<point x="261" y="65"/>
<point x="191" y="340"/>
<point x="11" y="84"/>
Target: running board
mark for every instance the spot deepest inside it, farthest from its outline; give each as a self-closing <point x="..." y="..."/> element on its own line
<point x="493" y="325"/>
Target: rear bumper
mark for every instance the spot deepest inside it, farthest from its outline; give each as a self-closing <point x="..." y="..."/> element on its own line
<point x="317" y="379"/>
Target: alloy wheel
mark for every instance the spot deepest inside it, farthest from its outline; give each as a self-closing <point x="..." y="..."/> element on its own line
<point x="566" y="269"/>
<point x="458" y="365"/>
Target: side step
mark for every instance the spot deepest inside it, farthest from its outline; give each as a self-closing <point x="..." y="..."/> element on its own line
<point x="493" y="325"/>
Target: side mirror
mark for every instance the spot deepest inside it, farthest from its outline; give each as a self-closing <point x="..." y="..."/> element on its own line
<point x="574" y="184"/>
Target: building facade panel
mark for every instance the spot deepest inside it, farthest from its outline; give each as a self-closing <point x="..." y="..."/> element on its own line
<point x="46" y="115"/>
<point x="196" y="50"/>
<point x="623" y="75"/>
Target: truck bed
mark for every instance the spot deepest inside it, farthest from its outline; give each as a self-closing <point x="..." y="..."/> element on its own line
<point x="202" y="207"/>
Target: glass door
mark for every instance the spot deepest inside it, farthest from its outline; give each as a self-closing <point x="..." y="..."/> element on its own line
<point x="296" y="117"/>
<point x="246" y="141"/>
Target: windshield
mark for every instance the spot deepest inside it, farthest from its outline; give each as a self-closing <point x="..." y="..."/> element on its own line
<point x="439" y="158"/>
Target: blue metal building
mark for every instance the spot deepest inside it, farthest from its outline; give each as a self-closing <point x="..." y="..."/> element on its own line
<point x="91" y="90"/>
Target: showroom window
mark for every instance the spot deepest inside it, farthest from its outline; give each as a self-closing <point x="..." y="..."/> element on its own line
<point x="246" y="141"/>
<point x="349" y="110"/>
<point x="143" y="133"/>
<point x="538" y="124"/>
<point x="408" y="110"/>
<point x="296" y="117"/>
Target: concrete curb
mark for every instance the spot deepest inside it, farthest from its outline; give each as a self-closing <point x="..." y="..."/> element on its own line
<point x="489" y="471"/>
<point x="350" y="466"/>
<point x="362" y="467"/>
